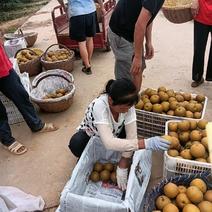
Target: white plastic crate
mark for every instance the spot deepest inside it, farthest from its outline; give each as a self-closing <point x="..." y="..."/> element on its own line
<point x="74" y="196"/>
<point x="177" y="166"/>
<point x="153" y="124"/>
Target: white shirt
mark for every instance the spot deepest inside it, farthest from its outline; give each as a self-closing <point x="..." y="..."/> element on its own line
<point x="99" y="121"/>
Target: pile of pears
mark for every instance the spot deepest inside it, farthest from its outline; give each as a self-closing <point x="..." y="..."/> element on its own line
<point x="195" y="197"/>
<point x="188" y="140"/>
<point x="105" y="172"/>
<point x="168" y="102"/>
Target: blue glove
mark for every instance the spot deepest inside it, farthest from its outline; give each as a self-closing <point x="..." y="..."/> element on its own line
<point x="157" y="143"/>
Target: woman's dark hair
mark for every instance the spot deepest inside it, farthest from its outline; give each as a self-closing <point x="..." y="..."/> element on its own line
<point x="122" y="91"/>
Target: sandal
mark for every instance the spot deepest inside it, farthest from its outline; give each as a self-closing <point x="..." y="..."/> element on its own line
<point x="16" y="148"/>
<point x="48" y="127"/>
<point x="87" y="70"/>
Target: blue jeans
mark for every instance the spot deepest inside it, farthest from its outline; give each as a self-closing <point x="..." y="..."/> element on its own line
<point x="13" y="89"/>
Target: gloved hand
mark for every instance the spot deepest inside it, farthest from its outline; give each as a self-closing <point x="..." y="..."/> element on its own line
<point x="121" y="175"/>
<point x="157" y="143"/>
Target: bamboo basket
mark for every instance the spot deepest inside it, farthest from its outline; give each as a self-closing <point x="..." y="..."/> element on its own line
<point x="47" y="82"/>
<point x="177" y="11"/>
<point x="67" y="64"/>
<point x="185" y="180"/>
<point x="30" y="37"/>
<point x="33" y="67"/>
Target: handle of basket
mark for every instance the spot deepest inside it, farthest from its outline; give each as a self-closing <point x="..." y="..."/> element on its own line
<point x="56" y="75"/>
<point x="25" y="49"/>
<point x="20" y="32"/>
<point x="56" y="44"/>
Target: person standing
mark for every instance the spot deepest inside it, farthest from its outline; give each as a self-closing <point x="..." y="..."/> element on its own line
<point x="83" y="27"/>
<point x="202" y="13"/>
<point x="130" y="25"/>
<point x="12" y="88"/>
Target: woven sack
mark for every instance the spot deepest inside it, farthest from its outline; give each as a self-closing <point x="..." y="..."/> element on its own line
<point x="67" y="64"/>
<point x="48" y="82"/>
<point x="177" y="11"/>
<point x="33" y="67"/>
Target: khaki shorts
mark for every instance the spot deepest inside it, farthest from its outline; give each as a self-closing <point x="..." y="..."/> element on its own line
<point x="123" y="51"/>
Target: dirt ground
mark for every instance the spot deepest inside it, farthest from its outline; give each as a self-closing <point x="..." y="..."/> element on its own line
<point x="47" y="166"/>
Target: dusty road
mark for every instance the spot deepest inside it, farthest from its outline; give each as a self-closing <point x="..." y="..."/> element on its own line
<point x="47" y="166"/>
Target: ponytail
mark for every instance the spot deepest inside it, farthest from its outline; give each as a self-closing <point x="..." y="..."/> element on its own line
<point x="122" y="91"/>
<point x="108" y="86"/>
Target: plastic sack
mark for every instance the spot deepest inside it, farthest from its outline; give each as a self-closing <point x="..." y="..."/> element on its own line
<point x="14" y="200"/>
<point x="73" y="198"/>
<point x="12" y="46"/>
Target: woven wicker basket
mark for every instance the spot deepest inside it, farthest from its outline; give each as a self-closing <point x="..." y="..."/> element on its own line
<point x="67" y="64"/>
<point x="33" y="67"/>
<point x="179" y="13"/>
<point x="47" y="82"/>
<point x="30" y="37"/>
<point x="157" y="190"/>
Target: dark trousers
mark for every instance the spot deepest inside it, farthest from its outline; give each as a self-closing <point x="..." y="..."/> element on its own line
<point x="201" y="32"/>
<point x="80" y="139"/>
<point x="13" y="89"/>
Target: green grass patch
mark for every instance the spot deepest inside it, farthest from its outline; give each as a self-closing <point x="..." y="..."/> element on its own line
<point x="17" y="9"/>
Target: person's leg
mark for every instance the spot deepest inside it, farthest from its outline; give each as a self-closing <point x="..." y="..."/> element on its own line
<point x="209" y="66"/>
<point x="78" y="142"/>
<point x="123" y="59"/>
<point x="89" y="46"/>
<point x="200" y="40"/>
<point x="78" y="32"/>
<point x="15" y="91"/>
<point x="6" y="137"/>
<point x="121" y="69"/>
<point x="5" y="131"/>
<point x="123" y="52"/>
<point x="84" y="53"/>
<point x="90" y="31"/>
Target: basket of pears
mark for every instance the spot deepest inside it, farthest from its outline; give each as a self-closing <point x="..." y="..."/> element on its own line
<point x="59" y="58"/>
<point x="29" y="60"/>
<point x="177" y="11"/>
<point x="105" y="172"/>
<point x="53" y="91"/>
<point x="183" y="193"/>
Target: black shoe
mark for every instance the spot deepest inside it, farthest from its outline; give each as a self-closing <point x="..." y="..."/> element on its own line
<point x="197" y="83"/>
<point x="87" y="70"/>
